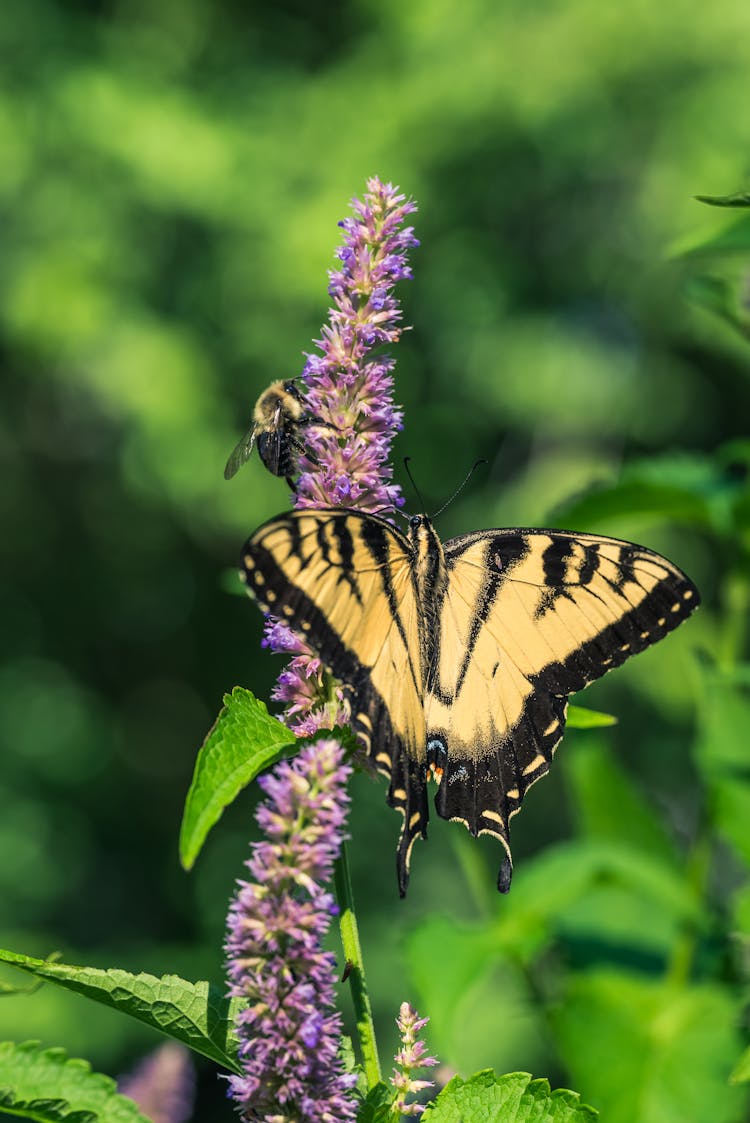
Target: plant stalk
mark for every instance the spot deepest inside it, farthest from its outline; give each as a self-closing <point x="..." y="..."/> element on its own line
<point x="355" y="969"/>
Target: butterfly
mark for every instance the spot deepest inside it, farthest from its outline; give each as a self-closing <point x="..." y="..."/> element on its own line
<point x="278" y="415"/>
<point x="459" y="656"/>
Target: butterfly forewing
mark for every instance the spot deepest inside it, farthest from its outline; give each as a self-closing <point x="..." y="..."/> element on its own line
<point x="343" y="580"/>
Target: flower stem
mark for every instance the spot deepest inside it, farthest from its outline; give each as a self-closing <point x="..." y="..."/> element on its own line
<point x="356" y="969"/>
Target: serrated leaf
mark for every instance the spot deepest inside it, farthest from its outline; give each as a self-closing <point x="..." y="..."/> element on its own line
<point x="243" y="741"/>
<point x="647" y="1051"/>
<point x="739" y="199"/>
<point x="515" y="1098"/>
<point x="377" y="1105"/>
<point x="580" y="717"/>
<point x="197" y="1014"/>
<point x="350" y="1064"/>
<point x="47" y="1086"/>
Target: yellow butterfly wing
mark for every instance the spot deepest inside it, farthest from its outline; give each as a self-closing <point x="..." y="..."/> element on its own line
<point x="344" y="581"/>
<point x="529" y="617"/>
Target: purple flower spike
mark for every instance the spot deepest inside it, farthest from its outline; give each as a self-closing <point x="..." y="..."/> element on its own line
<point x="351" y="392"/>
<point x="289" y="1032"/>
<point x="411" y="1055"/>
<point x="345" y="386"/>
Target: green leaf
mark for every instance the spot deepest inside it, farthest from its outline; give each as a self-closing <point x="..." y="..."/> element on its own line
<point x="45" y="1085"/>
<point x="676" y="488"/>
<point x="631" y="498"/>
<point x="650" y="1052"/>
<point x="734" y="238"/>
<point x="717" y="295"/>
<point x="739" y="199"/>
<point x="721" y="752"/>
<point x="610" y="807"/>
<point x="244" y="740"/>
<point x="515" y="1098"/>
<point x="579" y="717"/>
<point x="463" y="976"/>
<point x="740" y="917"/>
<point x="377" y="1105"/>
<point x="545" y="889"/>
<point x="463" y="973"/>
<point x="196" y="1014"/>
<point x="724" y="719"/>
<point x="741" y="1072"/>
<point x="731" y="812"/>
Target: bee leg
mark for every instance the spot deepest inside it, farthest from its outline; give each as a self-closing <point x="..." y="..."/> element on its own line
<point x="312" y="419"/>
<point x="299" y="447"/>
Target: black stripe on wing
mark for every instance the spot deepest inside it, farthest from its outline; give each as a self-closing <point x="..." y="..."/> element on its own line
<point x="642" y="617"/>
<point x="659" y="612"/>
<point x="285" y="599"/>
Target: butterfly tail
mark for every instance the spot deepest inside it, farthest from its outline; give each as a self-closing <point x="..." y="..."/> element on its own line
<point x="505" y="873"/>
<point x="408" y="794"/>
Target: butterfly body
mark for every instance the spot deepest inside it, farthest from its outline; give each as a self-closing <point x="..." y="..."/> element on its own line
<point x="278" y="416"/>
<point x="459" y="657"/>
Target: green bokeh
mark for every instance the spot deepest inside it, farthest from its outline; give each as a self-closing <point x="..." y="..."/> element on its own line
<point x="170" y="180"/>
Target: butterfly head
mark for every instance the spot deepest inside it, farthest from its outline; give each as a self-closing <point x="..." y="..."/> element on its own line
<point x="422" y="535"/>
<point x="429" y="561"/>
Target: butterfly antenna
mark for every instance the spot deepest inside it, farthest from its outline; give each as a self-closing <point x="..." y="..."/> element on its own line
<point x="413" y="484"/>
<point x="461" y="486"/>
<point x="387" y="510"/>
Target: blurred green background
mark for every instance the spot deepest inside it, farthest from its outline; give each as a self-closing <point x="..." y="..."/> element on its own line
<point x="171" y="176"/>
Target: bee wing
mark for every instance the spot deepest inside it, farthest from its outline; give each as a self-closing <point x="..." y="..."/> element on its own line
<point x="241" y="452"/>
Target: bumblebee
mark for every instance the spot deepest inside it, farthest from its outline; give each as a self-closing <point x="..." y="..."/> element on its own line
<point x="278" y="416"/>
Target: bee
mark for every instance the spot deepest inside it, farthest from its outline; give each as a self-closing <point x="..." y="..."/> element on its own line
<point x="278" y="415"/>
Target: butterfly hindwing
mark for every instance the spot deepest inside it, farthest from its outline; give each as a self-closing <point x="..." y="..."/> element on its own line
<point x="527" y="618"/>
